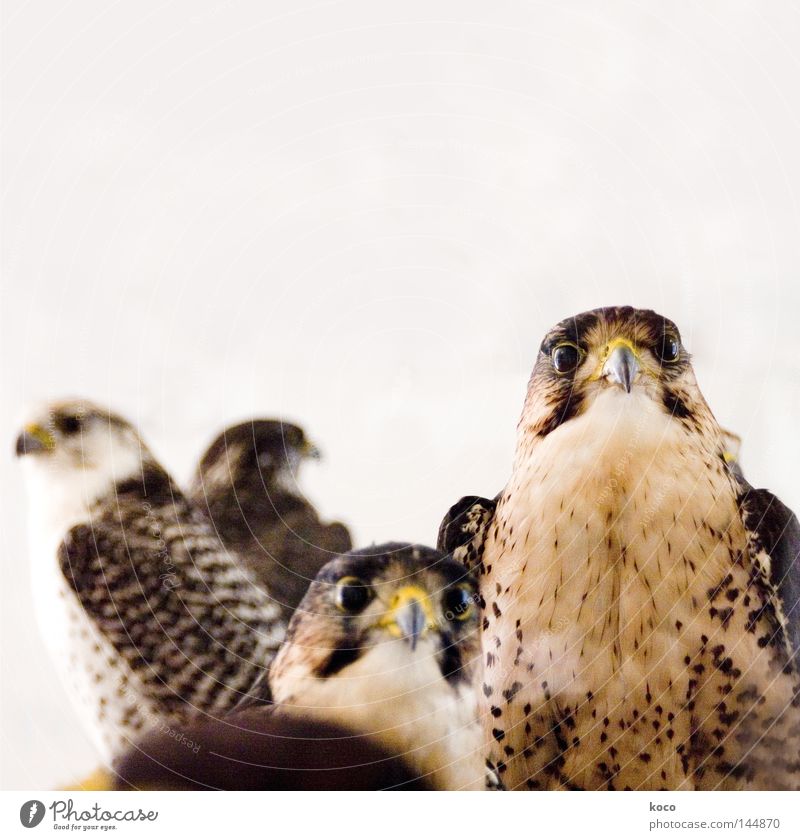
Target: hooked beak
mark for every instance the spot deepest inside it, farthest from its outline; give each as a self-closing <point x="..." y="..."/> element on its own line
<point x="410" y="615"/>
<point x="311" y="451"/>
<point x="34" y="438"/>
<point x="732" y="443"/>
<point x="621" y="366"/>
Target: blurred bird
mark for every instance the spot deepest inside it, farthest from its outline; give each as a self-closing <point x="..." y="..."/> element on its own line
<point x="385" y="643"/>
<point x="145" y="612"/>
<point x="639" y="598"/>
<point x="261" y="749"/>
<point x="247" y="483"/>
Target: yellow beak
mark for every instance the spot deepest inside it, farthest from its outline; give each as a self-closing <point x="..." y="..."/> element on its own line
<point x="35" y="438"/>
<point x="410" y="615"/>
<point x="621" y="366"/>
<point x="311" y="451"/>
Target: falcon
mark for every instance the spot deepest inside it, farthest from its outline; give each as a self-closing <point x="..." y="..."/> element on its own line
<point x="639" y="598"/>
<point x="247" y="483"/>
<point x="385" y="643"/>
<point x="146" y="614"/>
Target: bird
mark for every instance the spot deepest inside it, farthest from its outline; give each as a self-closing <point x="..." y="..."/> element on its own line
<point x="146" y="615"/>
<point x="246" y="481"/>
<point x="385" y="644"/>
<point x="639" y="598"/>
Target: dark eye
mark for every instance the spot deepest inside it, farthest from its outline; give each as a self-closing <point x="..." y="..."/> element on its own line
<point x="70" y="424"/>
<point x="565" y="357"/>
<point x="352" y="594"/>
<point x="458" y="603"/>
<point x="668" y="349"/>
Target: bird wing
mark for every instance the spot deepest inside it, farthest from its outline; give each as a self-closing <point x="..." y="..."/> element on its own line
<point x="774" y="534"/>
<point x="280" y="537"/>
<point x="159" y="587"/>
<point x="286" y="555"/>
<point x="300" y="545"/>
<point x="259" y="694"/>
<point x="464" y="528"/>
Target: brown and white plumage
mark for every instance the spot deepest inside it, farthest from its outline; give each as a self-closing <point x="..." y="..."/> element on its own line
<point x="385" y="644"/>
<point x="247" y="482"/>
<point x="146" y="614"/>
<point x="636" y="631"/>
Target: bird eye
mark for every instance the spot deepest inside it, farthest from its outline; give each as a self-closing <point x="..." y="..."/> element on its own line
<point x="668" y="348"/>
<point x="70" y="424"/>
<point x="458" y="603"/>
<point x="565" y="357"/>
<point x="352" y="594"/>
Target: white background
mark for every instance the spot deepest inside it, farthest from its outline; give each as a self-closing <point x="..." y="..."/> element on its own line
<point x="364" y="216"/>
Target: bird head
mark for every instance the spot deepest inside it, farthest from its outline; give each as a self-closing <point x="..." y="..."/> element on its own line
<point x="633" y="356"/>
<point x="271" y="449"/>
<point x="77" y="446"/>
<point x="377" y="624"/>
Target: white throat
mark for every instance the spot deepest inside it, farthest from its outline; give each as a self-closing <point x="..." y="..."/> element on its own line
<point x="401" y="699"/>
<point x="60" y="496"/>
